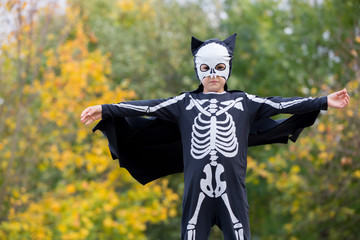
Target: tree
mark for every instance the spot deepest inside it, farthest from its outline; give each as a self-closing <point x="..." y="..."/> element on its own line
<point x="21" y="62"/>
<point x="148" y="42"/>
<point x="288" y="48"/>
<point x="297" y="48"/>
<point x="58" y="182"/>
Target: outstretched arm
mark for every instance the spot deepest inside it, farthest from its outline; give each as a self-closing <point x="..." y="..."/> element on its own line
<point x="338" y="99"/>
<point x="168" y="109"/>
<point x="267" y="107"/>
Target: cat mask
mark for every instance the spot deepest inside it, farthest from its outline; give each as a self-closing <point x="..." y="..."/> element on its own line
<point x="213" y="57"/>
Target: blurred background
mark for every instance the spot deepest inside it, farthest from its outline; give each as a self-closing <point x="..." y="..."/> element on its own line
<point x="57" y="179"/>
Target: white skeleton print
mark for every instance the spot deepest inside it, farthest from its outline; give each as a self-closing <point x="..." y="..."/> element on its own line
<point x="211" y="136"/>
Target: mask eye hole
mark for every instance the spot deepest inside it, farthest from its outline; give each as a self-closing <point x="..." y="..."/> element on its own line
<point x="220" y="67"/>
<point x="204" y="68"/>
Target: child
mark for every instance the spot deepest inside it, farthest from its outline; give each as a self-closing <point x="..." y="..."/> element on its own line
<point x="216" y="126"/>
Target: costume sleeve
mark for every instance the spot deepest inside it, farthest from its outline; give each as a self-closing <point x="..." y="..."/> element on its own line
<point x="270" y="106"/>
<point x="167" y="109"/>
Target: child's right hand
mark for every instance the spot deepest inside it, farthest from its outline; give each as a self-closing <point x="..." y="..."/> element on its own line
<point x="91" y="114"/>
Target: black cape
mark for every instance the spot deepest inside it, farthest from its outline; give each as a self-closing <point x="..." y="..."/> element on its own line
<point x="150" y="148"/>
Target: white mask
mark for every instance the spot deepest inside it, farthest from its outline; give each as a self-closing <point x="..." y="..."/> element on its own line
<point x="213" y="57"/>
<point x="210" y="60"/>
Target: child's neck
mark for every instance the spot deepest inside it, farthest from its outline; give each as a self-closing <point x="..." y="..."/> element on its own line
<point x="209" y="92"/>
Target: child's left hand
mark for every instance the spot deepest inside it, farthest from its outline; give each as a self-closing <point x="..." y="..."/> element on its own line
<point x="338" y="99"/>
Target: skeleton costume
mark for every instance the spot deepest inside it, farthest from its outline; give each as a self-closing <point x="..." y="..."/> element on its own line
<point x="206" y="136"/>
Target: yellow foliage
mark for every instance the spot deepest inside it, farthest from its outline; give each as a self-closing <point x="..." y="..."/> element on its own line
<point x="126" y="5"/>
<point x="357" y="174"/>
<point x="71" y="188"/>
<point x="313" y="91"/>
<point x="350" y="113"/>
<point x="357" y="39"/>
<point x="288" y="227"/>
<point x="295" y="169"/>
<point x="80" y="191"/>
<point x="136" y="10"/>
<point x="321" y="127"/>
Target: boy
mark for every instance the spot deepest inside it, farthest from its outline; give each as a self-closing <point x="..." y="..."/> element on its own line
<point x="216" y="128"/>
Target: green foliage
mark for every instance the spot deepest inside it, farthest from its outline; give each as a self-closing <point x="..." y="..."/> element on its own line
<point x="149" y="42"/>
<point x="316" y="182"/>
<point x="286" y="49"/>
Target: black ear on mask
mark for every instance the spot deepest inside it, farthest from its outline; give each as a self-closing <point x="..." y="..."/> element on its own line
<point x="230" y="42"/>
<point x="195" y="44"/>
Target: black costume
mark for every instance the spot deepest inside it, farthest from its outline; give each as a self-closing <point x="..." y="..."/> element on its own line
<point x="206" y="136"/>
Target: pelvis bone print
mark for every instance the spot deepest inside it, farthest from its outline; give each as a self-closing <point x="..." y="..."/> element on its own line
<point x="213" y="133"/>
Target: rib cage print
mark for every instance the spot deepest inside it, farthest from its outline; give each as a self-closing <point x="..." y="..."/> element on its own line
<point x="210" y="134"/>
<point x="214" y="129"/>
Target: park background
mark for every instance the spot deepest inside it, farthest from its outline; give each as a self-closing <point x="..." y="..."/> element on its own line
<point x="57" y="178"/>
